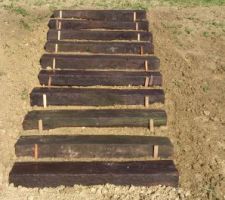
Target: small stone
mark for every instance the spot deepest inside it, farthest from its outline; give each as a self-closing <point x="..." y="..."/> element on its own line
<point x="206" y="112"/>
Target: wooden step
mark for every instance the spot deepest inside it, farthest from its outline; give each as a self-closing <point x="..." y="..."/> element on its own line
<point x="54" y="35"/>
<point x="100" y="47"/>
<point x="102" y="15"/>
<point x="50" y="119"/>
<point x="53" y="174"/>
<point x="92" y="78"/>
<point x="60" y="24"/>
<point x="93" y="146"/>
<point x="95" y="96"/>
<point x="87" y="61"/>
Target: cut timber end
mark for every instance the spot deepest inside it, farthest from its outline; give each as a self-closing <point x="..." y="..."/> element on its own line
<point x="59" y="35"/>
<point x="135" y="16"/>
<point x="36" y="151"/>
<point x="146" y="101"/>
<point x="40" y="125"/>
<point x="44" y="100"/>
<point x="138" y="37"/>
<point x="146" y="81"/>
<point x="146" y="65"/>
<point x="136" y="26"/>
<point x="155" y="151"/>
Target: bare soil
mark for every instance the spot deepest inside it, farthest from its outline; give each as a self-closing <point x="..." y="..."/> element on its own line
<point x="191" y="45"/>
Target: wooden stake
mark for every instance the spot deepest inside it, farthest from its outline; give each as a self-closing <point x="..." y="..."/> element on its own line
<point x="155" y="151"/>
<point x="53" y="64"/>
<point x="36" y="151"/>
<point x="56" y="48"/>
<point x="142" y="50"/>
<point x="44" y="100"/>
<point x="151" y="125"/>
<point x="138" y="37"/>
<point x="59" y="35"/>
<point x="40" y="125"/>
<point x="146" y="81"/>
<point x="146" y="65"/>
<point x="59" y="25"/>
<point x="49" y="81"/>
<point x="135" y="16"/>
<point x="151" y="80"/>
<point x="137" y="27"/>
<point x="60" y="14"/>
<point x="146" y="101"/>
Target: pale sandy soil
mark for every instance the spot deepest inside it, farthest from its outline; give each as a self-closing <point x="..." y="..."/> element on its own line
<point x="191" y="45"/>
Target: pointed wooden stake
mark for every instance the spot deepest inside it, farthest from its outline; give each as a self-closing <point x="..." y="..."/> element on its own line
<point x="146" y="81"/>
<point x="60" y="14"/>
<point x="146" y="101"/>
<point x="142" y="50"/>
<point x="44" y="100"/>
<point x="146" y="65"/>
<point x="137" y="26"/>
<point x="135" y="16"/>
<point x="59" y="35"/>
<point x="56" y="48"/>
<point x="40" y="125"/>
<point x="49" y="81"/>
<point x="155" y="151"/>
<point x="138" y="36"/>
<point x="36" y="151"/>
<point x="151" y="125"/>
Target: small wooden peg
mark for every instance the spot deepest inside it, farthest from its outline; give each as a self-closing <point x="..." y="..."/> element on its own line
<point x="146" y="81"/>
<point x="135" y="16"/>
<point x="53" y="63"/>
<point x="56" y="48"/>
<point x="146" y="101"/>
<point x="60" y="14"/>
<point x="44" y="100"/>
<point x="142" y="50"/>
<point x="146" y="65"/>
<point x="36" y="151"/>
<point x="151" y="125"/>
<point x="59" y="35"/>
<point x="138" y="37"/>
<point x="40" y="125"/>
<point x="155" y="151"/>
<point x="49" y="81"/>
<point x="151" y="80"/>
<point x="137" y="26"/>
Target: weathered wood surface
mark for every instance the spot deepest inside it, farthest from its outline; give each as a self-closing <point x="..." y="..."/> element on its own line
<point x="100" y="47"/>
<point x="52" y="174"/>
<point x="93" y="146"/>
<point x="60" y="24"/>
<point x="98" y="61"/>
<point x="95" y="96"/>
<point x="91" y="78"/>
<point x="94" y="118"/>
<point x="54" y="35"/>
<point x="102" y="15"/>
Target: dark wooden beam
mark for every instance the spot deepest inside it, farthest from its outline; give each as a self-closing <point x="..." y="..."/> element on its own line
<point x="95" y="96"/>
<point x="53" y="174"/>
<point x="94" y="118"/>
<point x="54" y="35"/>
<point x="98" y="61"/>
<point x="100" y="47"/>
<point x="93" y="146"/>
<point x="91" y="78"/>
<point x="102" y="15"/>
<point x="60" y="24"/>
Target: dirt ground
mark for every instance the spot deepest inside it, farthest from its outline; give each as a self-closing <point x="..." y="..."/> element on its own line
<point x="191" y="45"/>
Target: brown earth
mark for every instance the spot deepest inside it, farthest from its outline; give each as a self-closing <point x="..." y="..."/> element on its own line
<point x="191" y="45"/>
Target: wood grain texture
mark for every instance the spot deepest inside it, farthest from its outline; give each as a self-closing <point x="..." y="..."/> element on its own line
<point x="87" y="24"/>
<point x="92" y="78"/>
<point x="95" y="96"/>
<point x="93" y="146"/>
<point x="100" y="47"/>
<point x="53" y="174"/>
<point x="107" y="35"/>
<point x="102" y="15"/>
<point x="98" y="61"/>
<point x="94" y="118"/>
